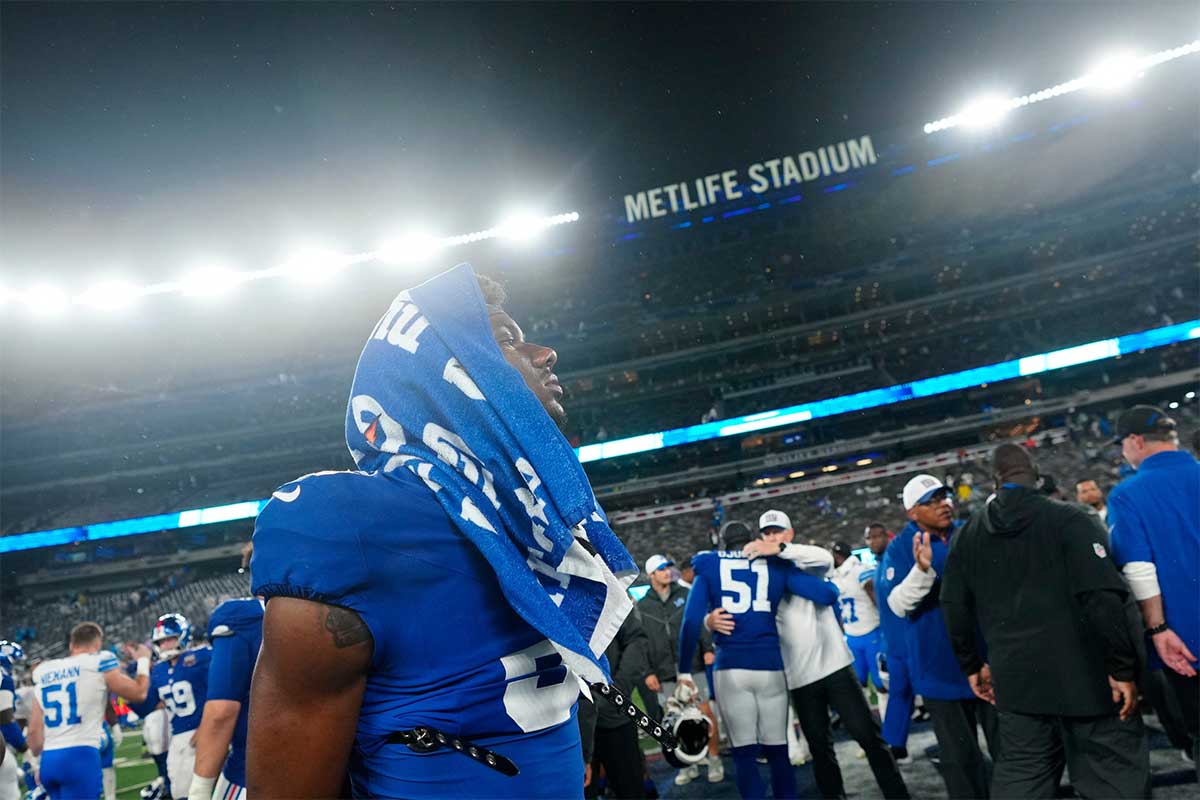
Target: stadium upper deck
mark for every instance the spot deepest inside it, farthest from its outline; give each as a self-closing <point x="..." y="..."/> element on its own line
<point x="1018" y="246"/>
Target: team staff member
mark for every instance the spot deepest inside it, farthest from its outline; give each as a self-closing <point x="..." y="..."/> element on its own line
<point x="915" y="561"/>
<point x="1088" y="492"/>
<point x="610" y="739"/>
<point x="893" y="648"/>
<point x="662" y="617"/>
<point x="1154" y="520"/>
<point x="1034" y="575"/>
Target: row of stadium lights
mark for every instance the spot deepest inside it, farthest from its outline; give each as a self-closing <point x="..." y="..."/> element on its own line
<point x="308" y="266"/>
<point x="316" y="266"/>
<point x="1111" y="74"/>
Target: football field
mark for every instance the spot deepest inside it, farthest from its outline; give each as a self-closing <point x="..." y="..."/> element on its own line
<point x="134" y="768"/>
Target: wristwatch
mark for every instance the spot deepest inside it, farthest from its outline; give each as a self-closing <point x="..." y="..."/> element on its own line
<point x="782" y="545"/>
<point x="1157" y="629"/>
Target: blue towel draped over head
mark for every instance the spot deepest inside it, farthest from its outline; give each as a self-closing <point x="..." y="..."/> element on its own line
<point x="433" y="395"/>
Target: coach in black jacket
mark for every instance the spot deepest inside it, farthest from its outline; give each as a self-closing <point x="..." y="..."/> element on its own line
<point x="1034" y="575"/>
<point x="610" y="738"/>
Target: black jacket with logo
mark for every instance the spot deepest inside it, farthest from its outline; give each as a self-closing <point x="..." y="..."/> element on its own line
<point x="662" y="620"/>
<point x="1036" y="575"/>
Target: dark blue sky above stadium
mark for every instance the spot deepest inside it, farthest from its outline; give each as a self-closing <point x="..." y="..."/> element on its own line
<point x="144" y="135"/>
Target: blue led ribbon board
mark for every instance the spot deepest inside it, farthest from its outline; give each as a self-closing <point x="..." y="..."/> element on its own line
<point x="873" y="398"/>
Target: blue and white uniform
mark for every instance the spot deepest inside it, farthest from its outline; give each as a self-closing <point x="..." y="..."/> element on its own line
<point x="235" y="630"/>
<point x="449" y="651"/>
<point x="748" y="671"/>
<point x="180" y="684"/>
<point x="10" y="773"/>
<point x="860" y="618"/>
<point x="73" y="696"/>
<point x="750" y="591"/>
<point x="901" y="699"/>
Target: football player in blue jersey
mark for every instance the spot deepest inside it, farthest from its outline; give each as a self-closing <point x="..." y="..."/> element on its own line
<point x="11" y="654"/>
<point x="179" y="683"/>
<point x="235" y="630"/>
<point x="748" y="673"/>
<point x="389" y="619"/>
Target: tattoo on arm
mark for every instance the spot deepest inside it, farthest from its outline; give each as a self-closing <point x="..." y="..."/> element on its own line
<point x="347" y="628"/>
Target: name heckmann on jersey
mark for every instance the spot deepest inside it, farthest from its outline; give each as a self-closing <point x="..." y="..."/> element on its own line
<point x="60" y="675"/>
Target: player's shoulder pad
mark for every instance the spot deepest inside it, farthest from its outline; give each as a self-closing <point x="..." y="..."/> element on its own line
<point x="332" y="505"/>
<point x="234" y="616"/>
<point x="704" y="561"/>
<point x="196" y="655"/>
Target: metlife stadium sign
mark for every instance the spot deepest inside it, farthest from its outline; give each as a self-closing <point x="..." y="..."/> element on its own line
<point x="760" y="177"/>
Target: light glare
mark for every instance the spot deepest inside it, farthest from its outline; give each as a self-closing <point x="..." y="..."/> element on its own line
<point x="112" y="295"/>
<point x="314" y="265"/>
<point x="409" y="249"/>
<point x="209" y="282"/>
<point x="45" y="300"/>
<point x="1115" y="72"/>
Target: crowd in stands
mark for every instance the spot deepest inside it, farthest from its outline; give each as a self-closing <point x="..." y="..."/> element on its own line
<point x="126" y="615"/>
<point x="841" y="513"/>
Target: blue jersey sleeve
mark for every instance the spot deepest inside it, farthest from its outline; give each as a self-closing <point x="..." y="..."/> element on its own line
<point x="307" y="546"/>
<point x="820" y="591"/>
<point x="1127" y="532"/>
<point x="231" y="667"/>
<point x="693" y="620"/>
<point x="152" y="700"/>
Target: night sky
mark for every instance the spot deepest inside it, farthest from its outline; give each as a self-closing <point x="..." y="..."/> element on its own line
<point x="141" y="137"/>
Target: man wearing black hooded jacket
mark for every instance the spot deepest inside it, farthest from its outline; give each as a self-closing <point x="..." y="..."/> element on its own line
<point x="1033" y="574"/>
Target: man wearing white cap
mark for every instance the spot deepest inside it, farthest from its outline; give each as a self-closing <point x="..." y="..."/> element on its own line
<point x="662" y="617"/>
<point x="912" y="569"/>
<point x="817" y="665"/>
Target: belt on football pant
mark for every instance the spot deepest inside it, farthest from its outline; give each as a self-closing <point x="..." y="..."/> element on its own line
<point x="426" y="739"/>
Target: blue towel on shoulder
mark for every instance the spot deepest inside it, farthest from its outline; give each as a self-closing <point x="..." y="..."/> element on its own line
<point x="433" y="395"/>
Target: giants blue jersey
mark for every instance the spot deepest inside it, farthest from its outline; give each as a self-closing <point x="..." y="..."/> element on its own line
<point x="449" y="651"/>
<point x="235" y="630"/>
<point x="181" y="687"/>
<point x="750" y="591"/>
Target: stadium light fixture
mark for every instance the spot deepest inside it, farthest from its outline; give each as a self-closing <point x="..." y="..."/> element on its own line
<point x="410" y="248"/>
<point x="1111" y="73"/>
<point x="46" y="300"/>
<point x="985" y="112"/>
<point x="314" y="265"/>
<point x="311" y="265"/>
<point x="110" y="295"/>
<point x="1190" y="396"/>
<point x="1115" y="72"/>
<point x="1173" y="405"/>
<point x="209" y="282"/>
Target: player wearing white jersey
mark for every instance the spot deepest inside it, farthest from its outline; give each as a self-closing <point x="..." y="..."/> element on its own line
<point x="860" y="615"/>
<point x="67" y="721"/>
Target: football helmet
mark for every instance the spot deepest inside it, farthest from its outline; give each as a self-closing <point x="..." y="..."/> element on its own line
<point x="689" y="726"/>
<point x="169" y="625"/>
<point x="10" y="653"/>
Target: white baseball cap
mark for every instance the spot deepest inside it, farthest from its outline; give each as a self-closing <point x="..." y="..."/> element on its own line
<point x="919" y="489"/>
<point x="774" y="519"/>
<point x="656" y="562"/>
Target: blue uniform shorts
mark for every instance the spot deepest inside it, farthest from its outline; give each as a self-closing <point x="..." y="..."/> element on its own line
<point x="866" y="649"/>
<point x="72" y="773"/>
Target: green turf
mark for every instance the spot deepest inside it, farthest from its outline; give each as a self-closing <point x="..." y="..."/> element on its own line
<point x="133" y="770"/>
